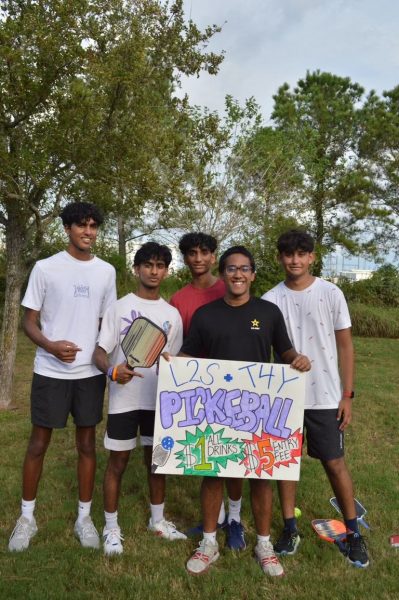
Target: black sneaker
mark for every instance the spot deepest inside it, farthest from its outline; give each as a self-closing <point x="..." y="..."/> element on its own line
<point x="287" y="543"/>
<point x="356" y="550"/>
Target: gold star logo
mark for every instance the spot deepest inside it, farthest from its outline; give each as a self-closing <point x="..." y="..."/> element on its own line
<point x="255" y="323"/>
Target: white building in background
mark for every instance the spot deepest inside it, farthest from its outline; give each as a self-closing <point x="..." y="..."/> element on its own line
<point x="357" y="274"/>
<point x="353" y="268"/>
<point x="353" y="275"/>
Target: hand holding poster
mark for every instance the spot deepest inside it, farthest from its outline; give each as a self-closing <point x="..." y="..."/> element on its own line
<point x="228" y="419"/>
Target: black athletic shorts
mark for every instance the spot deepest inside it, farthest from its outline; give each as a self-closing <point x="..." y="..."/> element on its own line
<point x="122" y="428"/>
<point x="323" y="438"/>
<point x="53" y="399"/>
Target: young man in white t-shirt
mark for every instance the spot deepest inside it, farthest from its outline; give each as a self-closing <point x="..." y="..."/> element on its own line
<point x="66" y="297"/>
<point x="319" y="325"/>
<point x="132" y="394"/>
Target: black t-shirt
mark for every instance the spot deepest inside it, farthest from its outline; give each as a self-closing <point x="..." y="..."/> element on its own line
<point x="245" y="332"/>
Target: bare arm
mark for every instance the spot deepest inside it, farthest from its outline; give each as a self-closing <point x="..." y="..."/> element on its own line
<point x="300" y="362"/>
<point x="346" y="358"/>
<point x="122" y="373"/>
<point x="64" y="350"/>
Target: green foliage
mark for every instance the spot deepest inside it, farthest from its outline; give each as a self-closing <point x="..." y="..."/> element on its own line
<point x="318" y="165"/>
<point x="382" y="289"/>
<point x="373" y="321"/>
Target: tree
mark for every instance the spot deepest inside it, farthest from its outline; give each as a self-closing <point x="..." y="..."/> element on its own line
<point x="321" y="119"/>
<point x="86" y="111"/>
<point x="216" y="196"/>
<point x="379" y="148"/>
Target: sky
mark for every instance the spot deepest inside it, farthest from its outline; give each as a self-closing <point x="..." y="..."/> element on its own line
<point x="270" y="42"/>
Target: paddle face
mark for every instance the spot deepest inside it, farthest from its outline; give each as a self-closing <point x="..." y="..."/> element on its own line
<point x="360" y="511"/>
<point x="330" y="530"/>
<point x="143" y="343"/>
<point x="161" y="453"/>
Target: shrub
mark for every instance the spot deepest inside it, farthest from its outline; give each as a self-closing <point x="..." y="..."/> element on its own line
<point x="382" y="289"/>
<point x="373" y="321"/>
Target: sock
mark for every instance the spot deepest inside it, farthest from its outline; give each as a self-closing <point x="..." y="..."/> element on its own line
<point x="157" y="512"/>
<point x="210" y="537"/>
<point x="234" y="511"/>
<point x="290" y="524"/>
<point x="27" y="508"/>
<point x="83" y="510"/>
<point x="351" y="525"/>
<point x="111" y="520"/>
<point x="222" y="514"/>
<point x="263" y="538"/>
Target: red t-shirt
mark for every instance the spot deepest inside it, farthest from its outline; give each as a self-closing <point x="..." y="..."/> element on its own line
<point x="189" y="298"/>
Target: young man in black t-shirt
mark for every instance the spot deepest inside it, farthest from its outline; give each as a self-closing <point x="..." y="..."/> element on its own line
<point x="239" y="327"/>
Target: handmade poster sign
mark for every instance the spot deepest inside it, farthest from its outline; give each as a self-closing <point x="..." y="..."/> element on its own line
<point x="228" y="419"/>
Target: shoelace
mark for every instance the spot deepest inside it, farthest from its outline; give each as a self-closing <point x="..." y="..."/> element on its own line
<point x="21" y="531"/>
<point x="114" y="536"/>
<point x="88" y="529"/>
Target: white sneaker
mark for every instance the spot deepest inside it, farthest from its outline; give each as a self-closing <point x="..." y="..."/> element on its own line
<point x="165" y="529"/>
<point x="86" y="533"/>
<point x="268" y="560"/>
<point x="112" y="541"/>
<point x="206" y="554"/>
<point x="24" y="531"/>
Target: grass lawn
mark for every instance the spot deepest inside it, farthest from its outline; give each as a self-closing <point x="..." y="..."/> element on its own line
<point x="56" y="567"/>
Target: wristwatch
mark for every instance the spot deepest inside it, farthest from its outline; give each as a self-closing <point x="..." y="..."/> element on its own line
<point x="346" y="394"/>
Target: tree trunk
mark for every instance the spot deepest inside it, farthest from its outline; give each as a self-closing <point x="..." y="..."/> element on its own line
<point x="318" y="203"/>
<point x="122" y="239"/>
<point x="15" y="275"/>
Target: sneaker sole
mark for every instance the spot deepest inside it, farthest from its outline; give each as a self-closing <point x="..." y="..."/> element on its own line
<point x="113" y="552"/>
<point x="285" y="552"/>
<point x="237" y="548"/>
<point x="214" y="559"/>
<point x="25" y="547"/>
<point x="95" y="546"/>
<point x="161" y="535"/>
<point x="357" y="564"/>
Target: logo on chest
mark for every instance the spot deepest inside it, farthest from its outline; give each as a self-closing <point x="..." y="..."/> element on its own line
<point x="81" y="291"/>
<point x="255" y="324"/>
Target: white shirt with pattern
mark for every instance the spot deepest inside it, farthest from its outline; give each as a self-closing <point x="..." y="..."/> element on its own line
<point x="312" y="316"/>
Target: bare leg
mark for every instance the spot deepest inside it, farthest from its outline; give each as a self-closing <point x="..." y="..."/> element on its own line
<point x="211" y="499"/>
<point x="33" y="463"/>
<point x="86" y="447"/>
<point x="234" y="488"/>
<point x="116" y="466"/>
<point x="287" y="492"/>
<point x="261" y="502"/>
<point x="341" y="483"/>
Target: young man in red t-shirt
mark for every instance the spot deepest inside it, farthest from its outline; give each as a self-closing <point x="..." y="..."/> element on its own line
<point x="198" y="250"/>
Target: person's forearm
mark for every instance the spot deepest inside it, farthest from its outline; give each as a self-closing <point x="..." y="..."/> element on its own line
<point x="100" y="358"/>
<point x="34" y="333"/>
<point x="346" y="358"/>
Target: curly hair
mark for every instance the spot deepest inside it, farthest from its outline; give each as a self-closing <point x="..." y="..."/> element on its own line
<point x="197" y="240"/>
<point x="152" y="250"/>
<point x="295" y="239"/>
<point x="81" y="212"/>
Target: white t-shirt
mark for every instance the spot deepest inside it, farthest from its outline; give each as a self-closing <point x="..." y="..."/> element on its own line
<point x="71" y="296"/>
<point x="312" y="316"/>
<point x="139" y="393"/>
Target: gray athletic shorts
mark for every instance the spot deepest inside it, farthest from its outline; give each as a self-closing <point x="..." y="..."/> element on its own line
<point x="323" y="438"/>
<point x="52" y="400"/>
<point x="122" y="429"/>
